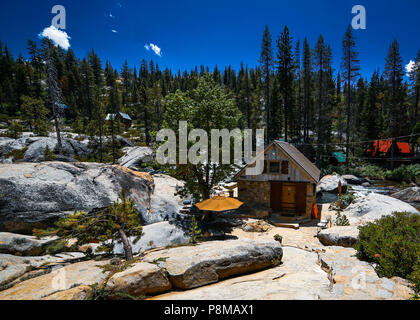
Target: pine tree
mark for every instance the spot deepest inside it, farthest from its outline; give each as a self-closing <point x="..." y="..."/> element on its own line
<point x="117" y="223"/>
<point x="143" y="99"/>
<point x="126" y="84"/>
<point x="415" y="87"/>
<point x="267" y="62"/>
<point x="371" y="116"/>
<point x="285" y="73"/>
<point x="36" y="63"/>
<point x="299" y="101"/>
<point x="350" y="67"/>
<point x="35" y="114"/>
<point x="322" y="61"/>
<point x="395" y="93"/>
<point x="54" y="91"/>
<point x="307" y="89"/>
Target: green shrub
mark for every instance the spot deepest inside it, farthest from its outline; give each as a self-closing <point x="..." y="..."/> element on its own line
<point x="347" y="199"/>
<point x="15" y="130"/>
<point x="49" y="154"/>
<point x="278" y="238"/>
<point x="366" y="170"/>
<point x="194" y="231"/>
<point x="393" y="243"/>
<point x="403" y="173"/>
<point x="341" y="220"/>
<point x="17" y="154"/>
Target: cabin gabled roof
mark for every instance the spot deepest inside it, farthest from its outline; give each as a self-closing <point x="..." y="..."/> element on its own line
<point x="296" y="156"/>
<point x="111" y="116"/>
<point x="125" y="116"/>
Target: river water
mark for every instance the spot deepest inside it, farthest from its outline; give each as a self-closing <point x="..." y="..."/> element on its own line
<point x="377" y="186"/>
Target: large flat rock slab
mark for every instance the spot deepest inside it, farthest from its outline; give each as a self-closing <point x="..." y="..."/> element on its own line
<point x="139" y="280"/>
<point x="298" y="277"/>
<point x="345" y="236"/>
<point x="194" y="266"/>
<point x="12" y="267"/>
<point x="81" y="273"/>
<point x="367" y="208"/>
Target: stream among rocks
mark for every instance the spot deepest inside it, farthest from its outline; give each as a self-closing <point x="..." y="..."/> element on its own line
<point x="376" y="186"/>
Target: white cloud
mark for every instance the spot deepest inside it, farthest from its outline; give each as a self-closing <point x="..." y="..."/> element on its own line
<point x="410" y="66"/>
<point x="154" y="48"/>
<point x="59" y="37"/>
<point x="114" y="31"/>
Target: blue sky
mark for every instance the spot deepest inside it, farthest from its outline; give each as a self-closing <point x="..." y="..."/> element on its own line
<point x="191" y="33"/>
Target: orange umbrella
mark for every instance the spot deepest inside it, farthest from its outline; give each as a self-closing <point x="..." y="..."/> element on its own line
<point x="219" y="204"/>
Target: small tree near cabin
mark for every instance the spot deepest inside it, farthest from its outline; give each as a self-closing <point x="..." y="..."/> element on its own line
<point x="114" y="224"/>
<point x="207" y="107"/>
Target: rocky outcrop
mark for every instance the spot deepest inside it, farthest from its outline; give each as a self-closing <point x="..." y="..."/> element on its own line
<point x="345" y="236"/>
<point x="165" y="205"/>
<point x="135" y="156"/>
<point x="156" y="235"/>
<point x="12" y="267"/>
<point x="253" y="225"/>
<point x="157" y="272"/>
<point x="76" y="293"/>
<point x="351" y="179"/>
<point x="8" y="145"/>
<point x="352" y="279"/>
<point x="124" y="142"/>
<point x="329" y="184"/>
<point x="298" y="277"/>
<point x="139" y="280"/>
<point x="34" y="195"/>
<point x="24" y="245"/>
<point x="333" y="273"/>
<point x="70" y="148"/>
<point x="367" y="208"/>
<point x="81" y="273"/>
<point x="34" y="148"/>
<point x="195" y="266"/>
<point x="411" y="194"/>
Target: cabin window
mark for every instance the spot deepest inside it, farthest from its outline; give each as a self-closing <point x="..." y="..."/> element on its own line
<point x="285" y="167"/>
<point x="274" y="167"/>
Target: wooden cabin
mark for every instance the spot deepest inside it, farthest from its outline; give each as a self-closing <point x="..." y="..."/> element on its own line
<point x="286" y="188"/>
<point x="122" y="117"/>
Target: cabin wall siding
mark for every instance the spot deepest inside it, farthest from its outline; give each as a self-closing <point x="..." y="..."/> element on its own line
<point x="295" y="174"/>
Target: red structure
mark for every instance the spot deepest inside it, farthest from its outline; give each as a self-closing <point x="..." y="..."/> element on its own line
<point x="390" y="153"/>
<point x="383" y="148"/>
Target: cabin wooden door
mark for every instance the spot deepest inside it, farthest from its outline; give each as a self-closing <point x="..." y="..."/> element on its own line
<point x="275" y="196"/>
<point x="288" y="199"/>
